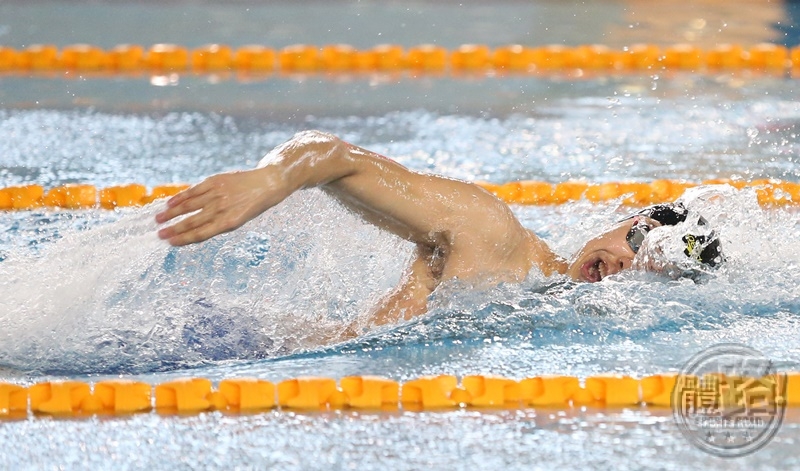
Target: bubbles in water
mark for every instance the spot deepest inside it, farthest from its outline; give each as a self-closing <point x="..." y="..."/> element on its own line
<point x="92" y="292"/>
<point x="744" y="299"/>
<point x="116" y="298"/>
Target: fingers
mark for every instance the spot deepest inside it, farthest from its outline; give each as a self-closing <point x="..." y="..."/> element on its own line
<point x="185" y="202"/>
<point x="204" y="217"/>
<point x="203" y="202"/>
<point x="219" y="204"/>
<point x="195" y="228"/>
<point x="209" y="220"/>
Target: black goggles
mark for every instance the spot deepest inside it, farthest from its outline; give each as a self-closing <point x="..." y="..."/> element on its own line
<point x="635" y="238"/>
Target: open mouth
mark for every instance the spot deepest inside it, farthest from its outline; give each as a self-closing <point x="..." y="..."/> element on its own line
<point x="591" y="271"/>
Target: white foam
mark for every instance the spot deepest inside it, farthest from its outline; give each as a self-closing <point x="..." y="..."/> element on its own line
<point x="118" y="297"/>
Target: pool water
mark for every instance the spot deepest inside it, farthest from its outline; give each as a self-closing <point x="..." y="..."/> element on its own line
<point x="91" y="295"/>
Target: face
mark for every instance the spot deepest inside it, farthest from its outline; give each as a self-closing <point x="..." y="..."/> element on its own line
<point x="607" y="253"/>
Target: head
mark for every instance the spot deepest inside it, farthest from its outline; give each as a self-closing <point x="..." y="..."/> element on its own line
<point x="615" y="249"/>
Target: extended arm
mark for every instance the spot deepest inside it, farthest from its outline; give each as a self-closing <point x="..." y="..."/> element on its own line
<point x="468" y="232"/>
<point x="418" y="207"/>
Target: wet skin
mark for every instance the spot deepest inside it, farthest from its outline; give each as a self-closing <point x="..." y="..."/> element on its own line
<point x="460" y="230"/>
<point x="606" y="254"/>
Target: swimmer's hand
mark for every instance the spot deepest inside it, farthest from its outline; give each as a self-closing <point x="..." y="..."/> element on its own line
<point x="466" y="231"/>
<point x="221" y="203"/>
<point x="224" y="202"/>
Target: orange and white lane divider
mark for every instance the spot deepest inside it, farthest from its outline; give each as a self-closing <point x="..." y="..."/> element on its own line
<point x="75" y="196"/>
<point x="425" y="58"/>
<point x="196" y="395"/>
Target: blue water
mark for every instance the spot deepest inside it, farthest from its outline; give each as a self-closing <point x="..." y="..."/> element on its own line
<point x="94" y="294"/>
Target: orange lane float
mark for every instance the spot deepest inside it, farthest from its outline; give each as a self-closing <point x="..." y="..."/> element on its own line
<point x="184" y="395"/>
<point x="298" y="58"/>
<point x="370" y="392"/>
<point x="443" y="392"/>
<point x="126" y="57"/>
<point x="8" y="59"/>
<point x="167" y="57"/>
<point x="594" y="57"/>
<point x="384" y="57"/>
<point x="72" y="197"/>
<point x="338" y="58"/>
<point x="59" y="398"/>
<point x="683" y="56"/>
<point x="470" y="57"/>
<point x="515" y="58"/>
<point x="247" y="394"/>
<point x="77" y="196"/>
<point x="554" y="56"/>
<point x="83" y="57"/>
<point x="13" y="399"/>
<point x="254" y="58"/>
<point x="123" y="397"/>
<point x="791" y="389"/>
<point x="307" y="393"/>
<point x="769" y="192"/>
<point x="726" y="56"/>
<point x="429" y="392"/>
<point x="164" y="191"/>
<point x="614" y="390"/>
<point x="549" y="390"/>
<point x="38" y="57"/>
<point x="212" y="57"/>
<point x="768" y="56"/>
<point x="21" y="197"/>
<point x="642" y="56"/>
<point x="427" y="57"/>
<point x="489" y="391"/>
<point x="122" y="196"/>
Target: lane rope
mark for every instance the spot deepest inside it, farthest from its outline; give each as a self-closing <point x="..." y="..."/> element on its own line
<point x="421" y="59"/>
<point x="443" y="392"/>
<point x="769" y="192"/>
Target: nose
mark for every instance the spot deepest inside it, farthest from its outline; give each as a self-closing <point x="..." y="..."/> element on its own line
<point x="625" y="263"/>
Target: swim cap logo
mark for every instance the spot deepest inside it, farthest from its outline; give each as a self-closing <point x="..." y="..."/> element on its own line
<point x="692" y="247"/>
<point x="729" y="401"/>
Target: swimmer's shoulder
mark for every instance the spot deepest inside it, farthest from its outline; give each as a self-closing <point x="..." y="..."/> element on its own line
<point x="543" y="257"/>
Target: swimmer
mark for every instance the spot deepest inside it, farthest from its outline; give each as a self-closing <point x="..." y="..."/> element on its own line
<point x="460" y="230"/>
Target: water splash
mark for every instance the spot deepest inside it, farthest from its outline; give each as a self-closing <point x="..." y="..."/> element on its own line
<point x="752" y="297"/>
<point x="108" y="296"/>
<point x="96" y="292"/>
<point x="115" y="298"/>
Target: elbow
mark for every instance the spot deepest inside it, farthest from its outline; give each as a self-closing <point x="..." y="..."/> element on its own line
<point x="317" y="140"/>
<point x="320" y="147"/>
<point x="316" y="158"/>
<point x="303" y="147"/>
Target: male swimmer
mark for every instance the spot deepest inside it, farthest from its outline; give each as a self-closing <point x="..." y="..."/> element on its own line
<point x="460" y="230"/>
